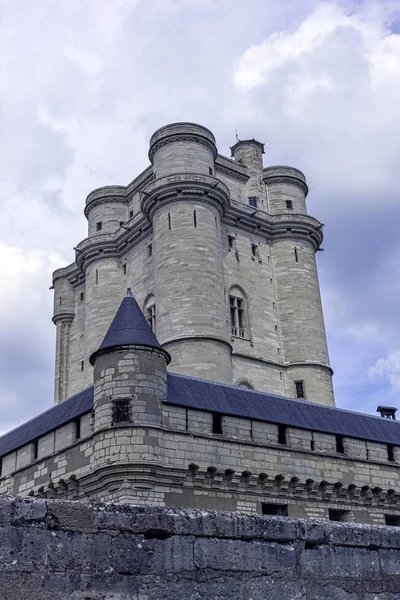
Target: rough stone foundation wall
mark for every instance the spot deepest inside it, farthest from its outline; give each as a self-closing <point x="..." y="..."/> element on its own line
<point x="60" y="550"/>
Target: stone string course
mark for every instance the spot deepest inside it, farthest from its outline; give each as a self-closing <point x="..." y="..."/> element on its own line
<point x="61" y="550"/>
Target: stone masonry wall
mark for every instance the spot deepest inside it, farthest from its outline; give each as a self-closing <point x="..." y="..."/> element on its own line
<point x="60" y="550"/>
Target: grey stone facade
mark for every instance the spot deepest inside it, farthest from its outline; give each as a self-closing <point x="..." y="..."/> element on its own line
<point x="55" y="550"/>
<point x="190" y="231"/>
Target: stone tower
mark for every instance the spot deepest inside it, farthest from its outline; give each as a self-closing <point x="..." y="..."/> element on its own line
<point x="221" y="255"/>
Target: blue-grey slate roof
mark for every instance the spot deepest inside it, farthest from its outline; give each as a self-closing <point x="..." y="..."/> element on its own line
<point x="204" y="395"/>
<point x="129" y="327"/>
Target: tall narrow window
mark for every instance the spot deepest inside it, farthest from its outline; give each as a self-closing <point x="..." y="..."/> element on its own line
<point x="97" y="276"/>
<point x="169" y="221"/>
<point x="299" y="385"/>
<point x="238" y="310"/>
<point x="150" y="250"/>
<point x="210" y="170"/>
<point x="254" y="249"/>
<point x="296" y="256"/>
<point x="194" y="218"/>
<point x="82" y="365"/>
<point x="390" y="452"/>
<point x="289" y="204"/>
<point x="150" y="312"/>
<point x="99" y="226"/>
<point x="217" y="423"/>
<point x="282" y="434"/>
<point x="339" y="444"/>
<point x="130" y="214"/>
<point x="35" y="449"/>
<point x="231" y="241"/>
<point x="60" y="300"/>
<point x="77" y="424"/>
<point x="81" y="297"/>
<point x="124" y="269"/>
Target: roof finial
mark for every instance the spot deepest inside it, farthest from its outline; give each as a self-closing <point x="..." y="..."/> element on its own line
<point x="237" y="137"/>
<point x="129" y="293"/>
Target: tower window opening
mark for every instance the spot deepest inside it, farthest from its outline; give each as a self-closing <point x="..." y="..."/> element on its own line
<point x="255" y="249"/>
<point x="131" y="214"/>
<point x="289" y="204"/>
<point x="296" y="256"/>
<point x="276" y="328"/>
<point x="390" y="452"/>
<point x="210" y="171"/>
<point x="339" y="444"/>
<point x="121" y="411"/>
<point x="97" y="276"/>
<point x="169" y="221"/>
<point x="237" y="307"/>
<point x="282" y="434"/>
<point x="231" y="241"/>
<point x="35" y="449"/>
<point x="150" y="312"/>
<point x="217" y="423"/>
<point x="194" y="218"/>
<point x="121" y="223"/>
<point x="279" y="510"/>
<point x="81" y="297"/>
<point x="82" y="365"/>
<point x="278" y="351"/>
<point x="124" y="269"/>
<point x="150" y="250"/>
<point x="253" y="201"/>
<point x="299" y="385"/>
<point x="99" y="226"/>
<point x="77" y="429"/>
<point x="312" y="445"/>
<point x="60" y="300"/>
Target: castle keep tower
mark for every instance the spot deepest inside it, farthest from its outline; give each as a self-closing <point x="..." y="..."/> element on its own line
<point x="185" y="205"/>
<point x="221" y="255"/>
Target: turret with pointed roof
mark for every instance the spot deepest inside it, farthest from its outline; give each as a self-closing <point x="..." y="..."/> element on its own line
<point x="130" y="371"/>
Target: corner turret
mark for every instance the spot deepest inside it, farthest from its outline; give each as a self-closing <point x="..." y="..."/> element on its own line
<point x="130" y="371"/>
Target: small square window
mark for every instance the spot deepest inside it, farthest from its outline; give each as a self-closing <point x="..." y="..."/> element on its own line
<point x="124" y="269"/>
<point x="130" y="214"/>
<point x="121" y="223"/>
<point x="289" y="204"/>
<point x="255" y="249"/>
<point x="299" y="389"/>
<point x="253" y="201"/>
<point x="150" y="250"/>
<point x="81" y="296"/>
<point x="121" y="411"/>
<point x="279" y="510"/>
<point x="99" y="226"/>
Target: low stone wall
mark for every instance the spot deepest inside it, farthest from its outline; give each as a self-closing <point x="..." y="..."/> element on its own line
<point x="59" y="550"/>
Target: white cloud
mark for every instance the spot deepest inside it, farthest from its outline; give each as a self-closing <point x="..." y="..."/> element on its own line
<point x="387" y="369"/>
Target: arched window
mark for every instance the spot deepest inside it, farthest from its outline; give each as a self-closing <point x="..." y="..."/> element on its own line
<point x="244" y="383"/>
<point x="150" y="312"/>
<point x="238" y="313"/>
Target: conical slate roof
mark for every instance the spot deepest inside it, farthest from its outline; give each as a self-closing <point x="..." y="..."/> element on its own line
<point x="129" y="327"/>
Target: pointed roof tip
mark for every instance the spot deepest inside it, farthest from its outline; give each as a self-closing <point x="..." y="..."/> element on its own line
<point x="128" y="328"/>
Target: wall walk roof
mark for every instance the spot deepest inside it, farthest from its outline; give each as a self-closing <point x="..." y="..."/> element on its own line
<point x="225" y="399"/>
<point x="129" y="327"/>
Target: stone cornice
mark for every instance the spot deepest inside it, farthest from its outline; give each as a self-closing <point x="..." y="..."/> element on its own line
<point x="182" y="132"/>
<point x="288" y="181"/>
<point x="180" y="186"/>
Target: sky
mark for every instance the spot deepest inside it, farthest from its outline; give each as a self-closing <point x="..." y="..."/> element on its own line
<point x="84" y="84"/>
